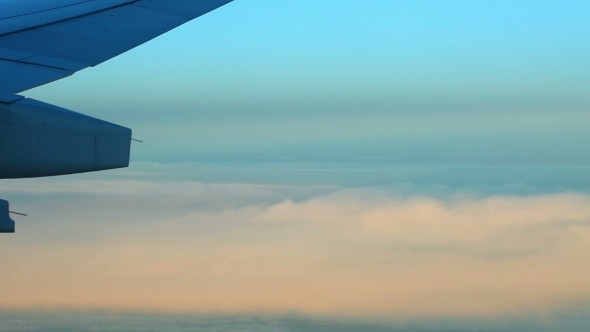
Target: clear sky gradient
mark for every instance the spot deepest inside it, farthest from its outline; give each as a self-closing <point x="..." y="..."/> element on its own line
<point x="373" y="159"/>
<point x="419" y="82"/>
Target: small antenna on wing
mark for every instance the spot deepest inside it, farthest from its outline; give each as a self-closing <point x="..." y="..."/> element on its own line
<point x="20" y="214"/>
<point x="133" y="139"/>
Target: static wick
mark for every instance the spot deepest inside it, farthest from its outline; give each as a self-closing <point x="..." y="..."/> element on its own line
<point x="133" y="139"/>
<point x="20" y="214"/>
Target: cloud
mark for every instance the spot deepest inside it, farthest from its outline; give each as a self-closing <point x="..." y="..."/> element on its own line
<point x="235" y="248"/>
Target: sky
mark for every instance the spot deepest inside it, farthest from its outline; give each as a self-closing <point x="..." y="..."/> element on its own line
<point x="390" y="160"/>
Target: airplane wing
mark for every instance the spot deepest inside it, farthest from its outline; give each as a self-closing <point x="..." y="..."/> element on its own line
<point x="46" y="40"/>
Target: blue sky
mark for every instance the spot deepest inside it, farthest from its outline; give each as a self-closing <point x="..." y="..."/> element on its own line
<point x="414" y="82"/>
<point x="372" y="159"/>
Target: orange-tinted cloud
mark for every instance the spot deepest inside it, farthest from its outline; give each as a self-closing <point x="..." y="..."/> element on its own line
<point x="354" y="252"/>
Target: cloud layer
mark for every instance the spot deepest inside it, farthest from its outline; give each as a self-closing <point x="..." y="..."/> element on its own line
<point x="235" y="248"/>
